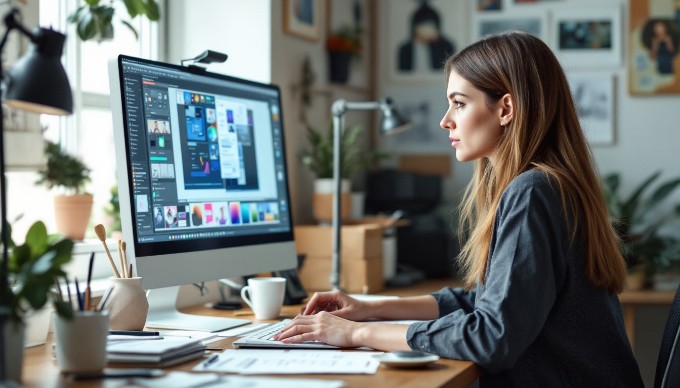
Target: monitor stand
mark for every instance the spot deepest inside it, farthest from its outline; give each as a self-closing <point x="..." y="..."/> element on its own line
<point x="163" y="314"/>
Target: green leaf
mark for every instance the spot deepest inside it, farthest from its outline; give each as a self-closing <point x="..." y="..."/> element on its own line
<point x="92" y="3"/>
<point x="152" y="11"/>
<point x="36" y="237"/>
<point x="660" y="194"/>
<point x="44" y="263"/>
<point x="135" y="7"/>
<point x="63" y="309"/>
<point x="131" y="27"/>
<point x="87" y="29"/>
<point x="76" y="15"/>
<point x="629" y="207"/>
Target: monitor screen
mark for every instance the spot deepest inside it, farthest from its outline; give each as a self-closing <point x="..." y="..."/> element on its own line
<point x="201" y="172"/>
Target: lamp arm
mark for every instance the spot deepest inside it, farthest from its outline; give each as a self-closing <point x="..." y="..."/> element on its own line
<point x="12" y="22"/>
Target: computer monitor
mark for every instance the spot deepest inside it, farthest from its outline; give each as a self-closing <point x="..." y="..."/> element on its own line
<point x="202" y="181"/>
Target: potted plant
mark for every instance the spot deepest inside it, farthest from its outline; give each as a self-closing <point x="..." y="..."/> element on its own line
<point x="319" y="159"/>
<point x="112" y="210"/>
<point x="28" y="279"/>
<point x="94" y="20"/>
<point x="342" y="46"/>
<point x="72" y="209"/>
<point x="647" y="251"/>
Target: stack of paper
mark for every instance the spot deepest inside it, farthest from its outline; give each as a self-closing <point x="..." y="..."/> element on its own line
<point x="159" y="354"/>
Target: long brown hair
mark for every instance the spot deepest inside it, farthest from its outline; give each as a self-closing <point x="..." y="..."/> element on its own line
<point x="544" y="134"/>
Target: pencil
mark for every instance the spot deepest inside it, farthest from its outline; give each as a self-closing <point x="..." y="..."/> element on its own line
<point x="130" y="272"/>
<point x="80" y="300"/>
<point x="88" y="290"/>
<point x="68" y="292"/>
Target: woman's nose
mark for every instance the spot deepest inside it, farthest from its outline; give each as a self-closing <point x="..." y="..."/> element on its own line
<point x="446" y="123"/>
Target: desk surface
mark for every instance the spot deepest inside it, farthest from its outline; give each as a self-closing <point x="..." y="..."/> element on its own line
<point x="40" y="368"/>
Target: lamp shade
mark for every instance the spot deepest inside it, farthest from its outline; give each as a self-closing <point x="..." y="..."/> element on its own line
<point x="392" y="121"/>
<point x="37" y="82"/>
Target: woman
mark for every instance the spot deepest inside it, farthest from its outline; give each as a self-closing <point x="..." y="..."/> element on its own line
<point x="542" y="262"/>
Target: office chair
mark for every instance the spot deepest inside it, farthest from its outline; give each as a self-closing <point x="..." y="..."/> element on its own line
<point x="668" y="364"/>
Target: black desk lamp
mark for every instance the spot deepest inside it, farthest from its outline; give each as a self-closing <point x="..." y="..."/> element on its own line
<point x="37" y="83"/>
<point x="391" y="123"/>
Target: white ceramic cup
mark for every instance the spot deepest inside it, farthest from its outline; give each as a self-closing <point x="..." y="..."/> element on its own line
<point x="264" y="296"/>
<point x="81" y="341"/>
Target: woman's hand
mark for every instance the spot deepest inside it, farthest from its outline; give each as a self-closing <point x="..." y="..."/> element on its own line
<point x="338" y="304"/>
<point x="323" y="326"/>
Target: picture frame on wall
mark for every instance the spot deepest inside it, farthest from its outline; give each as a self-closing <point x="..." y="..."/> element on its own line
<point x="302" y="18"/>
<point x="588" y="36"/>
<point x="534" y="23"/>
<point x="654" y="43"/>
<point x="489" y="5"/>
<point x="594" y="98"/>
<point x="421" y="37"/>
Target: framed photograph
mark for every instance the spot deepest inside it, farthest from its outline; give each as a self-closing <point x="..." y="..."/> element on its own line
<point x="489" y="5"/>
<point x="594" y="97"/>
<point x="534" y="23"/>
<point x="654" y="40"/>
<point x="421" y="37"/>
<point x="301" y="18"/>
<point x="588" y="36"/>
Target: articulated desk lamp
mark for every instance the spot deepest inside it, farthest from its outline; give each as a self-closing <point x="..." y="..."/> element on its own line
<point x="36" y="83"/>
<point x="391" y="123"/>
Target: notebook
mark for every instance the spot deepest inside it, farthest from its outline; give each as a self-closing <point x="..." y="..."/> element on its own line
<point x="160" y="353"/>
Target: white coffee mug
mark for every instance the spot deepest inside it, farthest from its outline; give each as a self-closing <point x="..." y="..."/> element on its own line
<point x="264" y="296"/>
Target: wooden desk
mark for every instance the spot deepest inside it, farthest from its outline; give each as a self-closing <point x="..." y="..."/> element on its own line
<point x="631" y="299"/>
<point x="40" y="369"/>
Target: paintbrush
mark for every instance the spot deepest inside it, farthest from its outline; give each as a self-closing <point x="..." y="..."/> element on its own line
<point x="120" y="258"/>
<point x="100" y="231"/>
<point x="123" y="247"/>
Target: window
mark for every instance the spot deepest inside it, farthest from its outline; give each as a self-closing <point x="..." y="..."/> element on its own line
<point x="88" y="133"/>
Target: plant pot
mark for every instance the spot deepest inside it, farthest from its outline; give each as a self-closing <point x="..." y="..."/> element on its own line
<point x="13" y="334"/>
<point x="72" y="214"/>
<point x="338" y="66"/>
<point x="322" y="200"/>
<point x="636" y="278"/>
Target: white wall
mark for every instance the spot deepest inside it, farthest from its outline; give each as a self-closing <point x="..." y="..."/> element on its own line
<point x="228" y="26"/>
<point x="646" y="128"/>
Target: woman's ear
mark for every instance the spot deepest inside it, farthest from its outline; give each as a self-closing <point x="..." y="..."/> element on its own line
<point x="507" y="109"/>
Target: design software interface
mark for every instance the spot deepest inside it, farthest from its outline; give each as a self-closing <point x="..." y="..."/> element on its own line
<point x="205" y="154"/>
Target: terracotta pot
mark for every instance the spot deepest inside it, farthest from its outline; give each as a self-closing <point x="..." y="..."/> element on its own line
<point x="72" y="214"/>
<point x="322" y="200"/>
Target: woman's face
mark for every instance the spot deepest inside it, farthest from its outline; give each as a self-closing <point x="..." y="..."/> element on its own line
<point x="474" y="127"/>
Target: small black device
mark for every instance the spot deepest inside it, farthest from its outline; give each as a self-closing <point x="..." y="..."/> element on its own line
<point x="295" y="293"/>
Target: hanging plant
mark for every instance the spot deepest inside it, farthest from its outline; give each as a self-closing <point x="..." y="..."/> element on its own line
<point x="94" y="20"/>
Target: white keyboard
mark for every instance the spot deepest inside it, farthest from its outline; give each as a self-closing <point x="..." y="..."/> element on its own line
<point x="266" y="333"/>
<point x="262" y="339"/>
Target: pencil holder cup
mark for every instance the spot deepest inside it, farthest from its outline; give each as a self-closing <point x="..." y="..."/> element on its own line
<point x="81" y="341"/>
<point x="127" y="304"/>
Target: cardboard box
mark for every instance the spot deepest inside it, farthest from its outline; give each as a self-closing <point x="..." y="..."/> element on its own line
<point x="361" y="254"/>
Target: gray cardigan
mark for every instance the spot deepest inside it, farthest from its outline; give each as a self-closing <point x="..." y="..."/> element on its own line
<point x="536" y="321"/>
